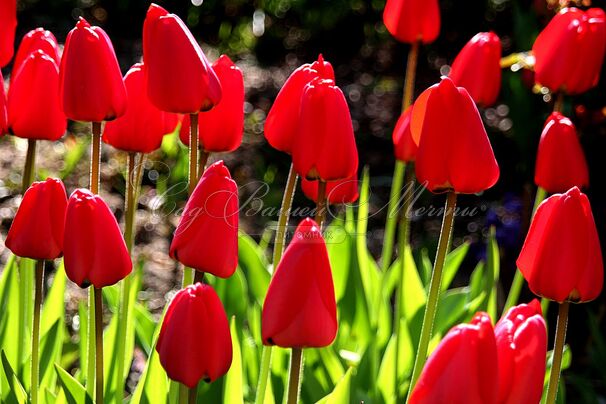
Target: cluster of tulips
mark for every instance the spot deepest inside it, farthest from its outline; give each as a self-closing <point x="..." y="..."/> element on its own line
<point x="440" y="138"/>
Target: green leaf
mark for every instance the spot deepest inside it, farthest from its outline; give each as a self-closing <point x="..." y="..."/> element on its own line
<point x="492" y="273"/>
<point x="9" y="321"/>
<point x="387" y="382"/>
<point x="453" y="262"/>
<point x="16" y="393"/>
<point x="341" y="392"/>
<point x="83" y="334"/>
<point x="254" y="265"/>
<point x="144" y="328"/>
<point x="452" y="308"/>
<point x="233" y="388"/>
<point x="340" y="249"/>
<point x="74" y="391"/>
<point x="53" y="313"/>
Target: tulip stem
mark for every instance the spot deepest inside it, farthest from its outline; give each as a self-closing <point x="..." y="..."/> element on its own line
<point x="263" y="374"/>
<point x="183" y="394"/>
<point x="558" y="349"/>
<point x="35" y="374"/>
<point x="411" y="72"/>
<point x="296" y="365"/>
<point x="204" y="156"/>
<point x="518" y="278"/>
<point x="99" y="345"/>
<point x="198" y="276"/>
<point x="95" y="158"/>
<point x="434" y="288"/>
<point x="558" y="104"/>
<point x="193" y="395"/>
<point x="321" y="205"/>
<point x="188" y="273"/>
<point x="29" y="170"/>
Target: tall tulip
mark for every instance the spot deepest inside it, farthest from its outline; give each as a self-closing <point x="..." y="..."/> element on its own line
<point x="405" y="147"/>
<point x="34" y="40"/>
<point x="463" y="368"/>
<point x="477" y="68"/>
<point x="8" y="25"/>
<point x="412" y="20"/>
<point x="195" y="342"/>
<point x="561" y="163"/>
<point x="521" y="337"/>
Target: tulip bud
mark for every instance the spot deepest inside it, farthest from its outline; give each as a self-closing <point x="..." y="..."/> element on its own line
<point x="37" y="230"/>
<point x="405" y="147"/>
<point x="282" y="121"/>
<point x="8" y="25"/>
<point x="300" y="309"/>
<point x="463" y="368"/>
<point x="561" y="258"/>
<point x="195" y="342"/>
<point x="569" y="52"/>
<point x="521" y="337"/>
<point x="91" y="83"/>
<point x="34" y="110"/>
<point x="93" y="247"/>
<point x="143" y="126"/>
<point x="341" y="191"/>
<point x="412" y="20"/>
<point x="560" y="163"/>
<point x="454" y="152"/>
<point x="477" y="68"/>
<point x="3" y="113"/>
<point x="221" y="128"/>
<point x="206" y="238"/>
<point x="36" y="39"/>
<point x="179" y="77"/>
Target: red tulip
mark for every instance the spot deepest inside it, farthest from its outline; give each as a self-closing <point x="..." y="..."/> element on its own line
<point x="34" y="110"/>
<point x="300" y="309"/>
<point x="561" y="258"/>
<point x="570" y="50"/>
<point x="195" y="342"/>
<point x="37" y="230"/>
<point x="36" y="39"/>
<point x="282" y="121"/>
<point x="206" y="238"/>
<point x="454" y="151"/>
<point x="8" y="25"/>
<point x="143" y="126"/>
<point x="220" y="129"/>
<point x="342" y="191"/>
<point x="324" y="147"/>
<point x="3" y="113"/>
<point x="93" y="247"/>
<point x="405" y="147"/>
<point x="560" y="163"/>
<point x="91" y="83"/>
<point x="463" y="368"/>
<point x="478" y="68"/>
<point x="179" y="77"/>
<point x="412" y="20"/>
<point x="521" y="337"/>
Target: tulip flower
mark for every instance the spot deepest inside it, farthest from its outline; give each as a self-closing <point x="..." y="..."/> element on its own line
<point x="195" y="342"/>
<point x="477" y="68"/>
<point x="179" y="77"/>
<point x="8" y="25"/>
<point x="34" y="110"/>
<point x="412" y="20"/>
<point x="3" y="113"/>
<point x="561" y="258"/>
<point x="569" y="52"/>
<point x="463" y="368"/>
<point x="221" y="128"/>
<point x="206" y="238"/>
<point x="93" y="247"/>
<point x="37" y="230"/>
<point x="282" y="121"/>
<point x="91" y="83"/>
<point x="143" y="126"/>
<point x="454" y="152"/>
<point x="34" y="40"/>
<point x="521" y="337"/>
<point x="560" y="163"/>
<point x="405" y="147"/>
<point x="300" y="308"/>
<point x="342" y="191"/>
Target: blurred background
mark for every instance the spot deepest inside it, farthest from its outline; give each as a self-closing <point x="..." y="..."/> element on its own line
<point x="268" y="39"/>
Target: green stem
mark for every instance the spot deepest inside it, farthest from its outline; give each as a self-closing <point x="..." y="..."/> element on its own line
<point x="392" y="214"/>
<point x="35" y="374"/>
<point x="294" y="379"/>
<point x="183" y="394"/>
<point x="321" y="204"/>
<point x="434" y="288"/>
<point x="188" y="273"/>
<point x="99" y="345"/>
<point x="204" y="156"/>
<point x="29" y="170"/>
<point x="545" y="307"/>
<point x="198" y="277"/>
<point x="558" y="104"/>
<point x="193" y="395"/>
<point x="558" y="349"/>
<point x="263" y="374"/>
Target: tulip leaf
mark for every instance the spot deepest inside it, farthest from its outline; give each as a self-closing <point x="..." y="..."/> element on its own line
<point x="341" y="392"/>
<point x="451" y="310"/>
<point x="492" y="273"/>
<point x="453" y="262"/>
<point x="74" y="391"/>
<point x="339" y="245"/>
<point x="9" y="321"/>
<point x="27" y="268"/>
<point x="387" y="373"/>
<point x="233" y="388"/>
<point x="15" y="392"/>
<point x="83" y="334"/>
<point x="144" y="328"/>
<point x="254" y="265"/>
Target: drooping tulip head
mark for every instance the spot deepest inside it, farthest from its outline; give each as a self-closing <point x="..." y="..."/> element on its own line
<point x="94" y="250"/>
<point x="91" y="83"/>
<point x="8" y="25"/>
<point x="412" y="20"/>
<point x="561" y="258"/>
<point x="300" y="308"/>
<point x="179" y="77"/>
<point x="143" y="126"/>
<point x="561" y="162"/>
<point x="34" y="40"/>
<point x="521" y="336"/>
<point x="477" y="68"/>
<point x="405" y="147"/>
<point x="195" y="342"/>
<point x="206" y="238"/>
<point x="221" y="128"/>
<point x="37" y="230"/>
<point x="463" y="368"/>
<point x="337" y="192"/>
<point x="454" y="153"/>
<point x="34" y="108"/>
